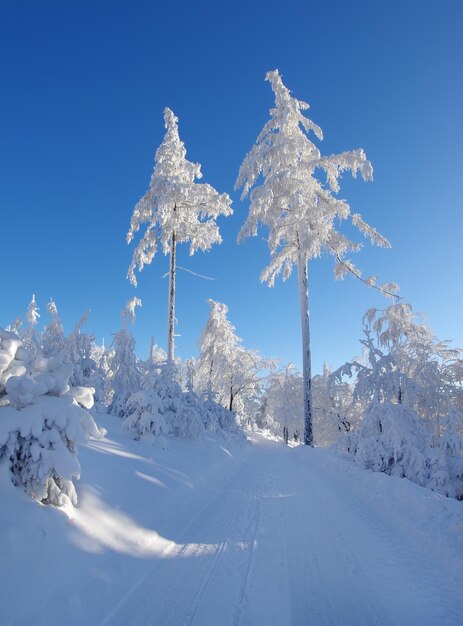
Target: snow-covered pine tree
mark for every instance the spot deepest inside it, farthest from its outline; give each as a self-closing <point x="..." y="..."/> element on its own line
<point x="123" y="378"/>
<point x="42" y="419"/>
<point x="79" y="348"/>
<point x="53" y="340"/>
<point x="176" y="209"/>
<point x="297" y="208"/>
<point x="30" y="337"/>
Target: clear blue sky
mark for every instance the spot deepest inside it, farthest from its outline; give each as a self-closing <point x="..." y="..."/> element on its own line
<point x="83" y="89"/>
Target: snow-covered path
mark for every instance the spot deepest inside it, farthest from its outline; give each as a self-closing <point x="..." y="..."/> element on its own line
<point x="217" y="532"/>
<point x="285" y="541"/>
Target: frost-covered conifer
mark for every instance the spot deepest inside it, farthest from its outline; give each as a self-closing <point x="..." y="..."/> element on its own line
<point x="176" y="209"/>
<point x="79" y="348"/>
<point x="297" y="208"/>
<point x="123" y="378"/>
<point x="29" y="335"/>
<point x="42" y="419"/>
<point x="162" y="408"/>
<point x="53" y="340"/>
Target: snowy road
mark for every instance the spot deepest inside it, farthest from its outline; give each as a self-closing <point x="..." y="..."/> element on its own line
<point x="284" y="541"/>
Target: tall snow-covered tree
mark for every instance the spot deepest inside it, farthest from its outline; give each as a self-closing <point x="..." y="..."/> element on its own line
<point x="299" y="209"/>
<point x="176" y="209"/>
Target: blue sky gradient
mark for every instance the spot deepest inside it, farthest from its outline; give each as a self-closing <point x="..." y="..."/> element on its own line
<point x="84" y="86"/>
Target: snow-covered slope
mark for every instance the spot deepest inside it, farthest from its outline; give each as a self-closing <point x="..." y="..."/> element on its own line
<point x="229" y="532"/>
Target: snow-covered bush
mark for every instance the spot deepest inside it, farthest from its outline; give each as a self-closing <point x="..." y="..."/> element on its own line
<point x="181" y="414"/>
<point x="392" y="439"/>
<point x="42" y="422"/>
<point x="216" y="417"/>
<point x="145" y="414"/>
<point x="166" y="409"/>
<point x="12" y="359"/>
<point x="409" y="386"/>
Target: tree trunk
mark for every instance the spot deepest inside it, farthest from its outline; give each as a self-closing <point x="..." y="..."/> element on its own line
<point x="171" y="315"/>
<point x="306" y="354"/>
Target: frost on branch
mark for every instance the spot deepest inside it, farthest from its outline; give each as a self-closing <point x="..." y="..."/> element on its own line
<point x="175" y="202"/>
<point x="42" y="419"/>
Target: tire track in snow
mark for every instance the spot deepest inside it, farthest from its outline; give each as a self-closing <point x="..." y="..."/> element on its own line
<point x="238" y="612"/>
<point x="161" y="594"/>
<point x="176" y="549"/>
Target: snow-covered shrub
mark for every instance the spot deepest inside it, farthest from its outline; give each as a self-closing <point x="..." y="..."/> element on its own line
<point x="42" y="423"/>
<point x="216" y="417"/>
<point x="12" y="358"/>
<point x="181" y="414"/>
<point x="145" y="415"/>
<point x="408" y="388"/>
<point x="166" y="409"/>
<point x="446" y="460"/>
<point x="392" y="439"/>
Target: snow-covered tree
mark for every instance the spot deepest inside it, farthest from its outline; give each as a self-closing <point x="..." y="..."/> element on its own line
<point x="298" y="209"/>
<point x="233" y="373"/>
<point x="13" y="359"/>
<point x="79" y="348"/>
<point x="30" y="337"/>
<point x="166" y="409"/>
<point x="176" y="209"/>
<point x="42" y="419"/>
<point x="53" y="340"/>
<point x="334" y="410"/>
<point x="123" y="378"/>
<point x="283" y="402"/>
<point x="408" y="385"/>
<point x="404" y="362"/>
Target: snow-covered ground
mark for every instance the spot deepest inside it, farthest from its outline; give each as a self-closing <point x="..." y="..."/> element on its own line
<point x="228" y="532"/>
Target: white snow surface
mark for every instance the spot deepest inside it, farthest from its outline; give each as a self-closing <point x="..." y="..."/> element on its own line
<point x="218" y="532"/>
